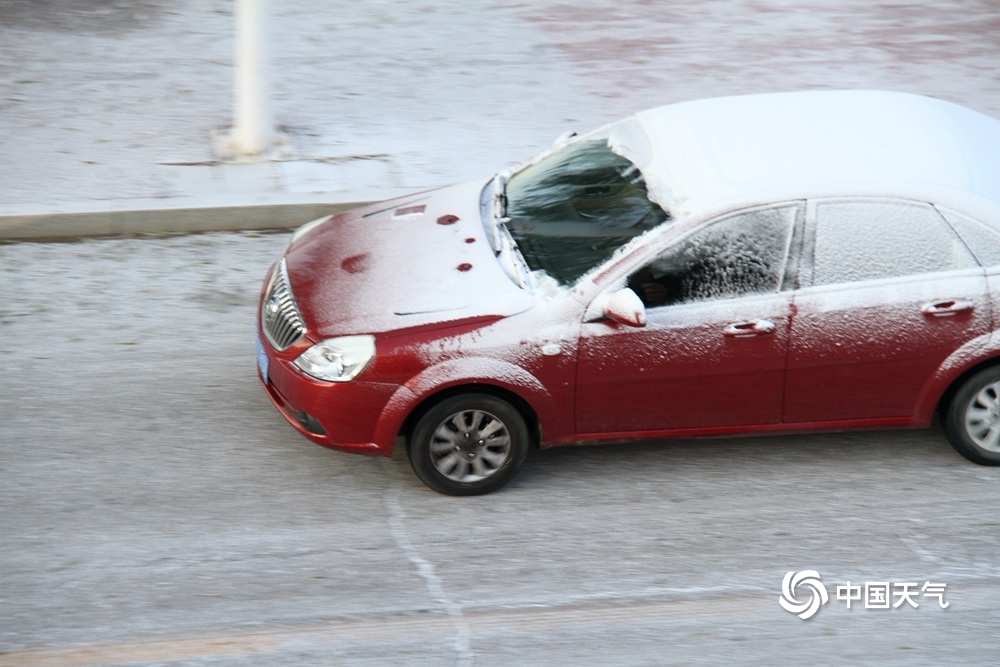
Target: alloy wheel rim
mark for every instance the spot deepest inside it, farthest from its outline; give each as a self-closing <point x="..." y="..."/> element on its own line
<point x="982" y="418"/>
<point x="470" y="445"/>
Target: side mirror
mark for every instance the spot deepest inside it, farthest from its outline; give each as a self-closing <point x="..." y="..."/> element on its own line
<point x="625" y="307"/>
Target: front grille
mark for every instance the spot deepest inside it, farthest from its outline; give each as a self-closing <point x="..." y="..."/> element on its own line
<point x="279" y="313"/>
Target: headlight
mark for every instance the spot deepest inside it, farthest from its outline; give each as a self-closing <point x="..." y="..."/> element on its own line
<point x="337" y="359"/>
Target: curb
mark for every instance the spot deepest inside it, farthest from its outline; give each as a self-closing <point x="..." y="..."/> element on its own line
<point x="76" y="225"/>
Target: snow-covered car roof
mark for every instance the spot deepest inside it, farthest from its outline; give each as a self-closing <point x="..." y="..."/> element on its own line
<point x="758" y="148"/>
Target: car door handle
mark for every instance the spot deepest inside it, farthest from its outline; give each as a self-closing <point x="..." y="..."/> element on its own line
<point x="749" y="329"/>
<point x="947" y="308"/>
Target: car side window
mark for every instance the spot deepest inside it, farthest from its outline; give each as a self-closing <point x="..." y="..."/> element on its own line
<point x="738" y="255"/>
<point x="983" y="240"/>
<point x="869" y="240"/>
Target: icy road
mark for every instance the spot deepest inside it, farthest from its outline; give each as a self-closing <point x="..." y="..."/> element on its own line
<point x="157" y="510"/>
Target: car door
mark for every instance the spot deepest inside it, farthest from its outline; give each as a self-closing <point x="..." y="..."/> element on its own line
<point x="891" y="293"/>
<point x="984" y="241"/>
<point x="713" y="349"/>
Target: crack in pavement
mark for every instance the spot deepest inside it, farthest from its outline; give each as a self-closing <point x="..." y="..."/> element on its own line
<point x="397" y="528"/>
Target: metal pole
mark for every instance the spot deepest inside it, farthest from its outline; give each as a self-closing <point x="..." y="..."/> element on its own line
<point x="253" y="126"/>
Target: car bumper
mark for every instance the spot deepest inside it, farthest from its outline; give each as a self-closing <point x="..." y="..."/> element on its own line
<point x="338" y="415"/>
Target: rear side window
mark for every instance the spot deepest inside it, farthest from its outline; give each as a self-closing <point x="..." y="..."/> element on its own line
<point x="984" y="241"/>
<point x="870" y="240"/>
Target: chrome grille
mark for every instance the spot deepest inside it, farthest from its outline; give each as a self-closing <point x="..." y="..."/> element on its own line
<point x="279" y="313"/>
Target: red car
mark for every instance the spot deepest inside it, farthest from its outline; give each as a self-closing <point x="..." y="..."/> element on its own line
<point x="782" y="262"/>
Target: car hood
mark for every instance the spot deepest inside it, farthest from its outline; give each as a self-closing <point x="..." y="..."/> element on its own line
<point x="408" y="262"/>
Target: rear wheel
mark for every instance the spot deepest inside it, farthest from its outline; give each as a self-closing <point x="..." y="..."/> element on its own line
<point x="468" y="445"/>
<point x="972" y="422"/>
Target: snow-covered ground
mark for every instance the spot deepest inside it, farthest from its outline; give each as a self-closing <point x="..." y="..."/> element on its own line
<point x="157" y="510"/>
<point x="111" y="101"/>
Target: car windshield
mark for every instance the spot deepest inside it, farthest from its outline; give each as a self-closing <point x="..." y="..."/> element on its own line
<point x="572" y="209"/>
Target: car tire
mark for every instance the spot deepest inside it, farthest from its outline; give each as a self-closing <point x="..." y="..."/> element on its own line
<point x="468" y="444"/>
<point x="972" y="421"/>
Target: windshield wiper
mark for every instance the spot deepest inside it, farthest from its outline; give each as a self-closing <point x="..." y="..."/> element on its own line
<point x="498" y="217"/>
<point x="502" y="200"/>
<point x="504" y="246"/>
<point x="500" y="192"/>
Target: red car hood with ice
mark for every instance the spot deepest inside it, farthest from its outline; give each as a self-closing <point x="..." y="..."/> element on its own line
<point x="409" y="262"/>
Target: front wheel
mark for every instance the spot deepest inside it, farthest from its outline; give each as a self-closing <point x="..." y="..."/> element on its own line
<point x="972" y="421"/>
<point x="468" y="444"/>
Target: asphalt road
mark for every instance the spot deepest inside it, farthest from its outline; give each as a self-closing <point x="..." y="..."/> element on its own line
<point x="156" y="510"/>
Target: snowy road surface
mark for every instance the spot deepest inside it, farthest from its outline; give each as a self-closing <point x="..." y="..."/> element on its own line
<point x="156" y="510"/>
<point x="107" y="99"/>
